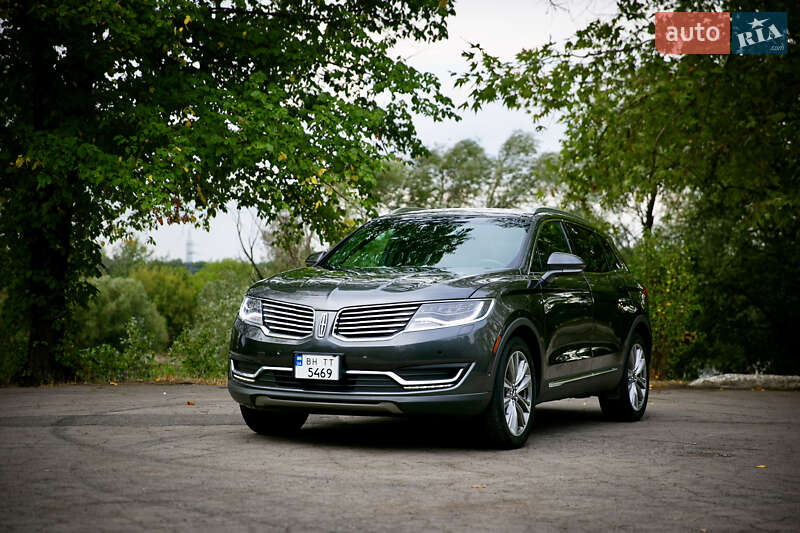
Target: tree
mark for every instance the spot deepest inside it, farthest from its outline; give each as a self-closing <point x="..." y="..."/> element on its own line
<point x="713" y="140"/>
<point x="643" y="127"/>
<point x="128" y="255"/>
<point x="465" y="175"/>
<point x="518" y="172"/>
<point x="123" y="116"/>
<point x="172" y="291"/>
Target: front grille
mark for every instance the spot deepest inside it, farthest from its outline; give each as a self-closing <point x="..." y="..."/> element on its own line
<point x="288" y="320"/>
<point x="348" y="383"/>
<point x="374" y="321"/>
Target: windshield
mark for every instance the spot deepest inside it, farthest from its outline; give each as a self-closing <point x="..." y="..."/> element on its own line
<point x="447" y="242"/>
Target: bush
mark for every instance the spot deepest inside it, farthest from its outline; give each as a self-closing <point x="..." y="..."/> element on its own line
<point x="666" y="269"/>
<point x="107" y="363"/>
<point x="106" y="319"/>
<point x="203" y="348"/>
<point x="173" y="291"/>
<point x="229" y="270"/>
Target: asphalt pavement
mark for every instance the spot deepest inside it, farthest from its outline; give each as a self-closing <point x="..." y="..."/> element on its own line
<point x="141" y="457"/>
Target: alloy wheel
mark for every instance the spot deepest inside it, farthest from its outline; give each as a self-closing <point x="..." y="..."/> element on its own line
<point x="637" y="377"/>
<point x="517" y="393"/>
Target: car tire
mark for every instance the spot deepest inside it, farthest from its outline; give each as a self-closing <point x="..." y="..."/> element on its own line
<point x="628" y="402"/>
<point x="508" y="419"/>
<point x="273" y="422"/>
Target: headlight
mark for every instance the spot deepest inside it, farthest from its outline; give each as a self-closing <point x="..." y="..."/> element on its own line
<point x="250" y="311"/>
<point x="444" y="314"/>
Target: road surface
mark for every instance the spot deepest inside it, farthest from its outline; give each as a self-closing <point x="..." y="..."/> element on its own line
<point x="139" y="457"/>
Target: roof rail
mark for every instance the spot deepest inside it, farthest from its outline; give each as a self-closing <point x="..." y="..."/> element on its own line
<point x="405" y="210"/>
<point x="550" y="210"/>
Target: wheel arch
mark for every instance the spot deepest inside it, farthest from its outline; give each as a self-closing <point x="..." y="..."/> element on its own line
<point x="525" y="329"/>
<point x="641" y="326"/>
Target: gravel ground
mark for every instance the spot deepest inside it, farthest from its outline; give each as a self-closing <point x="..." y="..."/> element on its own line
<point x="749" y="381"/>
<point x="139" y="457"/>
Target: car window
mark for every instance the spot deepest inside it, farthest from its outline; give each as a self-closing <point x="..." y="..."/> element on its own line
<point x="448" y="242"/>
<point x="613" y="260"/>
<point x="550" y="239"/>
<point x="589" y="246"/>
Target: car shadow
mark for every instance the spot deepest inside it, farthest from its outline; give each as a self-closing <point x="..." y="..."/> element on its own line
<point x="431" y="432"/>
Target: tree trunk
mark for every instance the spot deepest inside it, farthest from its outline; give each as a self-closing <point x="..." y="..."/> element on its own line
<point x="49" y="248"/>
<point x="649" y="217"/>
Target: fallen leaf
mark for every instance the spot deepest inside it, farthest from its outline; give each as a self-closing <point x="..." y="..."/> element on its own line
<point x="113" y="383"/>
<point x="190" y="402"/>
<point x="478" y="486"/>
<point x="761" y="466"/>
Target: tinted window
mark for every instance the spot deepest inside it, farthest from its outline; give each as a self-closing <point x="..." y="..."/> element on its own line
<point x="458" y="243"/>
<point x="550" y="239"/>
<point x="613" y="260"/>
<point x="589" y="246"/>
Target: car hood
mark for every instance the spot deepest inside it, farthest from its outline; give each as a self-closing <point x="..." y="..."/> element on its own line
<point x="333" y="289"/>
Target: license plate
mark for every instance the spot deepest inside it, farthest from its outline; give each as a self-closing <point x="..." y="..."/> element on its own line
<point x="315" y="366"/>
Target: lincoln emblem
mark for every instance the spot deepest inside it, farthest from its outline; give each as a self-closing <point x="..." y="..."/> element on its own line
<point x="322" y="326"/>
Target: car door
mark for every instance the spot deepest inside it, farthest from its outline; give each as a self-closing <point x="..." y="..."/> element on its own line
<point x="605" y="285"/>
<point x="566" y="306"/>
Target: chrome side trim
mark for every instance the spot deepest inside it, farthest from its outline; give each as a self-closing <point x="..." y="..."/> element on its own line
<point x="558" y="382"/>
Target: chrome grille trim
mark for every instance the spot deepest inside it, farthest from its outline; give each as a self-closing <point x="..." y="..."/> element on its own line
<point x="283" y="319"/>
<point x="373" y="322"/>
<point x="409" y="386"/>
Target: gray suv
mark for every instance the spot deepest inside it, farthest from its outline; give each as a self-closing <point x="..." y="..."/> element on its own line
<point x="478" y="312"/>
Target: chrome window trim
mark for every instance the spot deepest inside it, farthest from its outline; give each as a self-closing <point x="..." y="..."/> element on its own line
<point x="422" y="386"/>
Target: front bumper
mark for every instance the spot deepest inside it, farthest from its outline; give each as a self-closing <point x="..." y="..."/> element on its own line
<point x="359" y="404"/>
<point x="445" y="371"/>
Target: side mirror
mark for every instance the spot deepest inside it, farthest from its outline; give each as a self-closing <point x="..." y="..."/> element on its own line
<point x="561" y="263"/>
<point x="314" y="258"/>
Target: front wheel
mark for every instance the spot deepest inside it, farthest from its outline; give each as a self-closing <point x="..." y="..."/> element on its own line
<point x="508" y="420"/>
<point x="272" y="422"/>
<point x="629" y="401"/>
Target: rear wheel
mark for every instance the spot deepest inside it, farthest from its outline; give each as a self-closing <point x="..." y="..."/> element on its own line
<point x="273" y="422"/>
<point x="508" y="420"/>
<point x="629" y="401"/>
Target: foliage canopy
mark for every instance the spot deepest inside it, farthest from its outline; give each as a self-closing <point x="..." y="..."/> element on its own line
<point x="122" y="116"/>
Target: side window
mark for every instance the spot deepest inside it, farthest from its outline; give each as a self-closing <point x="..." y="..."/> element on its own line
<point x="589" y="246"/>
<point x="550" y="239"/>
<point x="613" y="260"/>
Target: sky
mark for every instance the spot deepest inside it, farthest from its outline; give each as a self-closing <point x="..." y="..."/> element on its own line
<point x="503" y="28"/>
